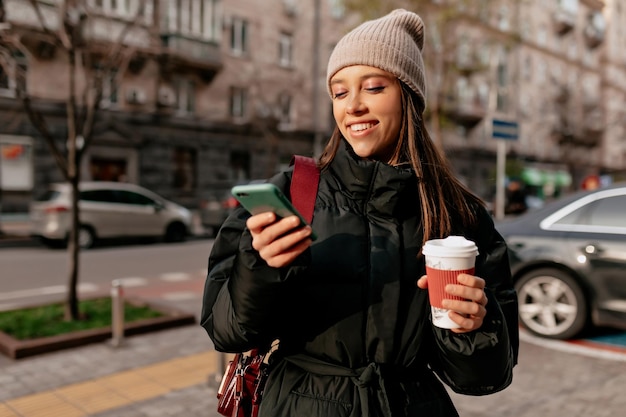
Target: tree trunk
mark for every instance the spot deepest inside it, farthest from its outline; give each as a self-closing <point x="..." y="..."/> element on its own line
<point x="73" y="171"/>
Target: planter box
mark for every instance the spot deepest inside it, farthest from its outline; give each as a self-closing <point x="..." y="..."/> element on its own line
<point x="17" y="349"/>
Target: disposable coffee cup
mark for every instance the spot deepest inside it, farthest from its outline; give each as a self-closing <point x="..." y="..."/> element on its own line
<point x="445" y="260"/>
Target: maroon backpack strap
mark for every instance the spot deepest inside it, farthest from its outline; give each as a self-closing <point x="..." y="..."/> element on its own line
<point x="306" y="177"/>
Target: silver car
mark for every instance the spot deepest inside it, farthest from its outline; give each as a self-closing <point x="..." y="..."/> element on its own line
<point x="107" y="210"/>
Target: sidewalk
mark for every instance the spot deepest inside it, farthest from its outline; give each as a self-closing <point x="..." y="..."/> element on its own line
<point x="15" y="231"/>
<point x="166" y="373"/>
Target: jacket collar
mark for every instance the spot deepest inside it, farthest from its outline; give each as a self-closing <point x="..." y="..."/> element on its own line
<point x="379" y="184"/>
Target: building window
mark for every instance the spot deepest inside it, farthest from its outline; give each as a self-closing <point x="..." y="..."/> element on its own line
<point x="12" y="75"/>
<point x="185" y="95"/>
<point x="124" y="8"/>
<point x="284" y="111"/>
<point x="197" y="18"/>
<point x="239" y="36"/>
<point x="239" y="165"/>
<point x="503" y="77"/>
<point x="238" y="102"/>
<point x="110" y="90"/>
<point x="184" y="178"/>
<point x="527" y="68"/>
<point x="108" y="169"/>
<point x="285" y="50"/>
<point x="570" y="6"/>
<point x="484" y="11"/>
<point x="6" y="84"/>
<point x="337" y="8"/>
<point x="503" y="18"/>
<point x="542" y="36"/>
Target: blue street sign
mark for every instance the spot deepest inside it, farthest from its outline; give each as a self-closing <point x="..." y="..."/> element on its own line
<point x="504" y="129"/>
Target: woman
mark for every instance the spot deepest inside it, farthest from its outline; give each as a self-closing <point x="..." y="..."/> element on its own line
<point x="349" y="310"/>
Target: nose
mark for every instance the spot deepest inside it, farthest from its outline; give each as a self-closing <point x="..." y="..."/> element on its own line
<point x="355" y="105"/>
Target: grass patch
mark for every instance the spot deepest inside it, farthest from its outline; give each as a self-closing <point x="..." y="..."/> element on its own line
<point x="43" y="321"/>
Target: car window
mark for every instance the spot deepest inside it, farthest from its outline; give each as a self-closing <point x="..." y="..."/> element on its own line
<point x="102" y="196"/>
<point x="48" y="195"/>
<point x="129" y="197"/>
<point x="606" y="211"/>
<point x="574" y="217"/>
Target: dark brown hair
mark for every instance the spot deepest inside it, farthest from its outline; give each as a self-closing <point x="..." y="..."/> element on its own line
<point x="441" y="194"/>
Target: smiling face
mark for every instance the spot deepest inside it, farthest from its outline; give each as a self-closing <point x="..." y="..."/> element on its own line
<point x="367" y="106"/>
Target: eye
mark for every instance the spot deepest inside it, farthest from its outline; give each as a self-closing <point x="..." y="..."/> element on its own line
<point x="339" y="94"/>
<point x="375" y="89"/>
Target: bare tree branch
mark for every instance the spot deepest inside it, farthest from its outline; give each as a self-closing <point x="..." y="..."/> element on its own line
<point x="40" y="124"/>
<point x="42" y="21"/>
<point x="115" y="55"/>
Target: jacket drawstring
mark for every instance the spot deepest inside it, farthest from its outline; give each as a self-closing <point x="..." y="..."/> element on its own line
<point x="366" y="379"/>
<point x="370" y="377"/>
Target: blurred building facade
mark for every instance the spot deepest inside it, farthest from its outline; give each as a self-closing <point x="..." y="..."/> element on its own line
<point x="219" y="91"/>
<point x="556" y="69"/>
<point x="215" y="92"/>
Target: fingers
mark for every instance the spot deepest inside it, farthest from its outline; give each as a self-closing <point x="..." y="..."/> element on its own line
<point x="470" y="288"/>
<point x="470" y="312"/>
<point x="423" y="282"/>
<point x="278" y="242"/>
<point x="284" y="258"/>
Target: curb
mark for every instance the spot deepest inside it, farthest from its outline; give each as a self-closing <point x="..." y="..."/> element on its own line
<point x="9" y="241"/>
<point x="18" y="349"/>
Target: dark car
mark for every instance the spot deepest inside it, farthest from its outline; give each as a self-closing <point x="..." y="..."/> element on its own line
<point x="568" y="260"/>
<point x="214" y="210"/>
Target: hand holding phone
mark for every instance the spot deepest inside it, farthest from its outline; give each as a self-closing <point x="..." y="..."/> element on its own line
<point x="261" y="198"/>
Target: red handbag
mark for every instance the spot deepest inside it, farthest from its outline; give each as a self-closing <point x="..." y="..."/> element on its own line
<point x="241" y="389"/>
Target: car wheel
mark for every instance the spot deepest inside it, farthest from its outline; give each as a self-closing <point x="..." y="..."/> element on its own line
<point x="551" y="304"/>
<point x="176" y="232"/>
<point x="86" y="237"/>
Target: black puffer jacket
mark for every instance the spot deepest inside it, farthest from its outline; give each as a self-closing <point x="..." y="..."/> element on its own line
<point x="354" y="328"/>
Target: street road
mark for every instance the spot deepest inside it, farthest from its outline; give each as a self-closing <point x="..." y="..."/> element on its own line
<point x="36" y="274"/>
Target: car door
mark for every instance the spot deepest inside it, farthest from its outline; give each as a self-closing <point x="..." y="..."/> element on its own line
<point x="141" y="214"/>
<point x="598" y="237"/>
<point x="99" y="209"/>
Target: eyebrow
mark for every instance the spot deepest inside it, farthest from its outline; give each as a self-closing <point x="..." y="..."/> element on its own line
<point x="364" y="77"/>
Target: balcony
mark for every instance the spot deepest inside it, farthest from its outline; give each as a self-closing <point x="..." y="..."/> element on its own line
<point x="564" y="21"/>
<point x="465" y="110"/>
<point x="593" y="122"/>
<point x="595" y="30"/>
<point x="180" y="51"/>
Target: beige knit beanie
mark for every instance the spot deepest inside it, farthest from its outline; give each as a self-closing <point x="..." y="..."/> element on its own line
<point x="392" y="43"/>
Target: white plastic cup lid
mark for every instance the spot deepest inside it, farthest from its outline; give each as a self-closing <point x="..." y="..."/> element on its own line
<point x="450" y="247"/>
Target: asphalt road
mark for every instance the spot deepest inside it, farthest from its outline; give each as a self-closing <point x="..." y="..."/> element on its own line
<point x="35" y="274"/>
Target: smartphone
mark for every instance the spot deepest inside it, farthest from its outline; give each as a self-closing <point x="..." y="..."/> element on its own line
<point x="259" y="198"/>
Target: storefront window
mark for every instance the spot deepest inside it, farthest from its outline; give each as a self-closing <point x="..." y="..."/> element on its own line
<point x="184" y="178"/>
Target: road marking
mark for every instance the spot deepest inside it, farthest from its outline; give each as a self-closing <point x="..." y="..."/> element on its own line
<point x="180" y="296"/>
<point x="134" y="281"/>
<point x="54" y="289"/>
<point x="175" y="276"/>
<point x="568" y="347"/>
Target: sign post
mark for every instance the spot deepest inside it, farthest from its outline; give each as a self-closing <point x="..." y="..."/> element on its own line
<point x="503" y="131"/>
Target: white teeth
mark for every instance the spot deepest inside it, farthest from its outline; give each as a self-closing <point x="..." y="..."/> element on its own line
<point x="361" y="126"/>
